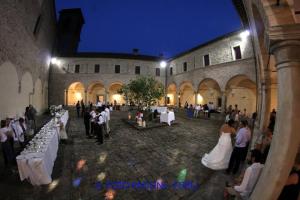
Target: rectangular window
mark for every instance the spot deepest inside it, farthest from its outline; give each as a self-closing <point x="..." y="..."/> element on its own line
<point x="117" y="69"/>
<point x="97" y="68"/>
<point x="77" y="68"/>
<point x="237" y="52"/>
<point x="171" y="71"/>
<point x="137" y="70"/>
<point x="157" y="71"/>
<point x="206" y="60"/>
<point x="185" y="66"/>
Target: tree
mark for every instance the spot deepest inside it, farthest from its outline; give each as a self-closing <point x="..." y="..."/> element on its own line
<point x="143" y="91"/>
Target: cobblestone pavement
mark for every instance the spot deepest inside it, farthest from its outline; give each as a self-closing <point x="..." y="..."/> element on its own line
<point x="83" y="168"/>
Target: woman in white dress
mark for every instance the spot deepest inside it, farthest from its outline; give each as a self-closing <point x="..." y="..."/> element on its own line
<point x="219" y="157"/>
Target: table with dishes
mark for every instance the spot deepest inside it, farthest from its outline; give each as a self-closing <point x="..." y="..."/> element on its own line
<point x="36" y="161"/>
<point x="167" y="117"/>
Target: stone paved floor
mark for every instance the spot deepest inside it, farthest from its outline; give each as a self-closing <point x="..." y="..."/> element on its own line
<point x="130" y="156"/>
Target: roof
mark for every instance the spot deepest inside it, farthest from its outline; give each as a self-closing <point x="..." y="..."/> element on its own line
<point x="73" y="11"/>
<point x="205" y="44"/>
<point x="239" y="6"/>
<point x="113" y="55"/>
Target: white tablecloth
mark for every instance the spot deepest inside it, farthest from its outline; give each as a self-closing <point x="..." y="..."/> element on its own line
<point x="38" y="166"/>
<point x="167" y="117"/>
<point x="159" y="109"/>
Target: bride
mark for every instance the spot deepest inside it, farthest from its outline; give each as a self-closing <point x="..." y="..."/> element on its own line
<point x="219" y="157"/>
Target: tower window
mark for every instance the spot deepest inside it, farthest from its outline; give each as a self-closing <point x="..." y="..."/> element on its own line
<point x="77" y="69"/>
<point x="237" y="52"/>
<point x="206" y="60"/>
<point x="137" y="70"/>
<point x="171" y="71"/>
<point x="97" y="68"/>
<point x="117" y="69"/>
<point x="185" y="66"/>
<point x="157" y="71"/>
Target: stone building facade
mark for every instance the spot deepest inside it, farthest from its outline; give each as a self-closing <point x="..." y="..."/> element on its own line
<point x="26" y="37"/>
<point x="228" y="78"/>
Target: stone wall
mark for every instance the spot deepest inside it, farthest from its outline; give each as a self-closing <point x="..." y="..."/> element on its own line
<point x="25" y="53"/>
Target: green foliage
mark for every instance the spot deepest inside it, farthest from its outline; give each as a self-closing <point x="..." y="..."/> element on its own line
<point x="143" y="91"/>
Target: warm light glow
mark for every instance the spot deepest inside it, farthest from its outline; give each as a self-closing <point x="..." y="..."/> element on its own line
<point x="78" y="96"/>
<point x="199" y="99"/>
<point x="163" y="64"/>
<point x="244" y="34"/>
<point x="53" y="185"/>
<point x="110" y="194"/>
<point x="117" y="97"/>
<point x="101" y="176"/>
<point x="102" y="158"/>
<point x="80" y="164"/>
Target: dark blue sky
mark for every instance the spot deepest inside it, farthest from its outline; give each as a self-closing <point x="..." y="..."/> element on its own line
<point x="152" y="26"/>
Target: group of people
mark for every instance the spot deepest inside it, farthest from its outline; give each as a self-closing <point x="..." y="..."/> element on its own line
<point x="226" y="156"/>
<point x="194" y="111"/>
<point x="16" y="131"/>
<point x="96" y="122"/>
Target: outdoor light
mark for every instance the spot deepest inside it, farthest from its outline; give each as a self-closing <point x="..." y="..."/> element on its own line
<point x="53" y="60"/>
<point x="244" y="34"/>
<point x="163" y="64"/>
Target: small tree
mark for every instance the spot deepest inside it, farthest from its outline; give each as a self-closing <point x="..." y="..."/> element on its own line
<point x="143" y="91"/>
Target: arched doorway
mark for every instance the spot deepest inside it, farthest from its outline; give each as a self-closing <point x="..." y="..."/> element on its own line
<point x="171" y="95"/>
<point x="187" y="93"/>
<point x="75" y="93"/>
<point x="241" y="91"/>
<point x="96" y="92"/>
<point x="209" y="91"/>
<point x="114" y="96"/>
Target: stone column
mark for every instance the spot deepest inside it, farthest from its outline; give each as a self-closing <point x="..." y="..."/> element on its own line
<point x="176" y="103"/>
<point x="67" y="93"/>
<point x="286" y="137"/>
<point x="223" y="106"/>
<point x="85" y="97"/>
<point x="107" y="97"/>
<point x="196" y="98"/>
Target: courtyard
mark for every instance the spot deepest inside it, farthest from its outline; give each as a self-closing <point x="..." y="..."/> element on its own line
<point x="83" y="168"/>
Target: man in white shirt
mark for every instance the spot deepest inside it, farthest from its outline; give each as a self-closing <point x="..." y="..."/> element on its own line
<point x="252" y="173"/>
<point x="196" y="111"/>
<point x="107" y="111"/>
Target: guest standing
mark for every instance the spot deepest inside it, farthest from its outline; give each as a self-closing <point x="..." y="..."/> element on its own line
<point x="86" y="119"/>
<point x="99" y="129"/>
<point x="240" y="147"/>
<point x="8" y="154"/>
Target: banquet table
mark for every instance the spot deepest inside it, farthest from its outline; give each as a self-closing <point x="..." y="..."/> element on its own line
<point x="167" y="117"/>
<point x="160" y="109"/>
<point x="36" y="161"/>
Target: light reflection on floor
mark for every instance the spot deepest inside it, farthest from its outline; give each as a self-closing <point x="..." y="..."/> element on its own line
<point x="80" y="164"/>
<point x="53" y="185"/>
<point x="102" y="157"/>
<point x="101" y="176"/>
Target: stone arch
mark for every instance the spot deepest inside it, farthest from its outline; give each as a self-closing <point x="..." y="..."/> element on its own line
<point x="9" y="89"/>
<point x="241" y="90"/>
<point x="38" y="102"/>
<point x="114" y="97"/>
<point x="96" y="91"/>
<point x="171" y="94"/>
<point x="76" y="92"/>
<point x="209" y="91"/>
<point x="186" y="93"/>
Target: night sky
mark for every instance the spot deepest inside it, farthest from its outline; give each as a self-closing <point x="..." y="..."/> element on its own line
<point x="153" y="26"/>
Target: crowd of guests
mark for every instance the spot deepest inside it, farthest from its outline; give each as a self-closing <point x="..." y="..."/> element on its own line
<point x="195" y="110"/>
<point x="96" y="120"/>
<point x="15" y="133"/>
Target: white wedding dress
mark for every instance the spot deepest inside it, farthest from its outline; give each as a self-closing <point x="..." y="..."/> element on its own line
<point x="219" y="157"/>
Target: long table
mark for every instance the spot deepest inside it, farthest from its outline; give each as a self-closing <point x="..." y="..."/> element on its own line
<point x="36" y="161"/>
